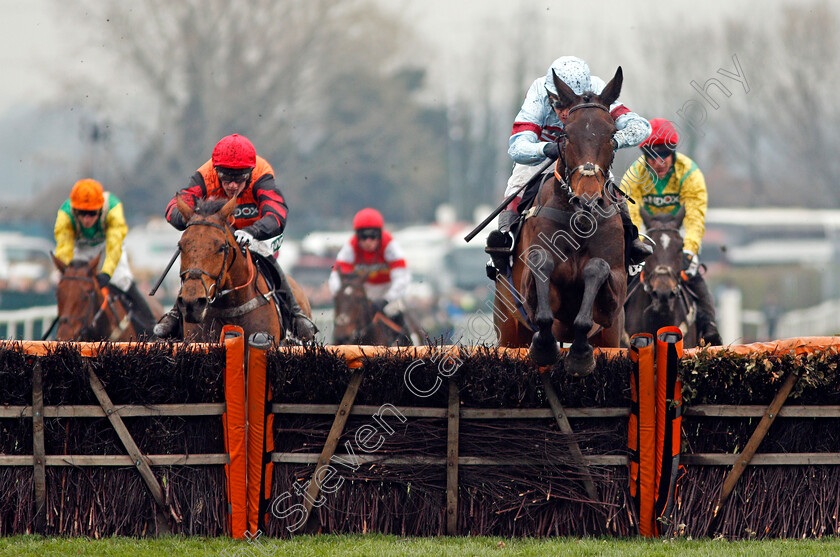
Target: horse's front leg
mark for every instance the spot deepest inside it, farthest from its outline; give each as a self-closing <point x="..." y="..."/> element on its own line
<point x="543" y="350"/>
<point x="580" y="360"/>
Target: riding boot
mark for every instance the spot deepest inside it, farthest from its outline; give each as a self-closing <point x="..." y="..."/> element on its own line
<point x="499" y="244"/>
<point x="706" y="326"/>
<point x="302" y="326"/>
<point x="638" y="249"/>
<point x="169" y="325"/>
<point x="142" y="312"/>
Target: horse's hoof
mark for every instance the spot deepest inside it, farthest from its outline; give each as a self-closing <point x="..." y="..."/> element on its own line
<point x="543" y="353"/>
<point x="579" y="364"/>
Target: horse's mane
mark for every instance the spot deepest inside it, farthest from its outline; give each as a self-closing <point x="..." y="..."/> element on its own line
<point x="207" y="207"/>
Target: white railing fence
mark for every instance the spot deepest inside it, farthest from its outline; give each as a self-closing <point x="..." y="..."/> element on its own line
<point x="10" y="320"/>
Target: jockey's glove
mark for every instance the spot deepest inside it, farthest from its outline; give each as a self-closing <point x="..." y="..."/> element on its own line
<point x="243" y="238"/>
<point x="690" y="262"/>
<point x="102" y="279"/>
<point x="551" y="150"/>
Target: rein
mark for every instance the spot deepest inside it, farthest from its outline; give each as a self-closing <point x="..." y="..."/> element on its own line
<point x="585" y="169"/>
<point x="88" y="330"/>
<point x="196" y="273"/>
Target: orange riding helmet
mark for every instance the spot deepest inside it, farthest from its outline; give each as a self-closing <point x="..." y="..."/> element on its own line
<point x="87" y="195"/>
<point x="368" y="218"/>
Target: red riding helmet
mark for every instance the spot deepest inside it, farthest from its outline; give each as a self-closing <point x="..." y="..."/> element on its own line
<point x="664" y="133"/>
<point x="235" y="151"/>
<point x="368" y="218"/>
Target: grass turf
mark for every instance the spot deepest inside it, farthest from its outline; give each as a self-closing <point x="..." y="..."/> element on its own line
<point x="387" y="546"/>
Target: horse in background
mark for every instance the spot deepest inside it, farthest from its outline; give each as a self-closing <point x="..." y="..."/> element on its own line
<point x="357" y="322"/>
<point x="85" y="313"/>
<point x="221" y="283"/>
<point x="660" y="300"/>
<point x="569" y="260"/>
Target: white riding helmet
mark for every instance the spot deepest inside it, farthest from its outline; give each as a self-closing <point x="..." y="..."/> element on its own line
<point x="597" y="84"/>
<point x="573" y="71"/>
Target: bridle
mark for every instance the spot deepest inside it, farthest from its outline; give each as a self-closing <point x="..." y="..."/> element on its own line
<point x="360" y="298"/>
<point x="663" y="270"/>
<point x="87" y="330"/>
<point x="195" y="273"/>
<point x="586" y="169"/>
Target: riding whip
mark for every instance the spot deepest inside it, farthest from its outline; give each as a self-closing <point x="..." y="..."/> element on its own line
<point x="46" y="335"/>
<point x="507" y="200"/>
<point x="165" y="271"/>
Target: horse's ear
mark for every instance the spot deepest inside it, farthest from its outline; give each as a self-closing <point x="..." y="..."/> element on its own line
<point x="647" y="218"/>
<point x="59" y="264"/>
<point x="185" y="210"/>
<point x="565" y="94"/>
<point x="94" y="263"/>
<point x="611" y="91"/>
<point x="227" y="210"/>
<point x="678" y="218"/>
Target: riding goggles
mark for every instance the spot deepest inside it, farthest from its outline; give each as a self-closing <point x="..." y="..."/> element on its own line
<point x="227" y="176"/>
<point x="368" y="234"/>
<point x="83" y="213"/>
<point x="657" y="153"/>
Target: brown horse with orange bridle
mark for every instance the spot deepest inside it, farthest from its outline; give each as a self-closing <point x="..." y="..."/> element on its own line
<point x="89" y="313"/>
<point x="569" y="279"/>
<point x="220" y="281"/>
<point x="357" y="321"/>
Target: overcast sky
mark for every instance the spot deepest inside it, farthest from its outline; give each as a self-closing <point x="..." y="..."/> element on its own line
<point x="461" y="35"/>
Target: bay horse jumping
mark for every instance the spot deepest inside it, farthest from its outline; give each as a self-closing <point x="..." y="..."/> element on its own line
<point x="220" y="281"/>
<point x="357" y="322"/>
<point x="569" y="260"/>
<point x="660" y="299"/>
<point x="84" y="312"/>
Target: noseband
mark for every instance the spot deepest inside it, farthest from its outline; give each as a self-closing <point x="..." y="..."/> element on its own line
<point x="87" y="330"/>
<point x="195" y="273"/>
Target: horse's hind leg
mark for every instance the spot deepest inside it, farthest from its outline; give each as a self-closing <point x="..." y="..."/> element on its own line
<point x="543" y="350"/>
<point x="580" y="361"/>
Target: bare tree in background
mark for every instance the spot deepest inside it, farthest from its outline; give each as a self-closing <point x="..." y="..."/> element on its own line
<point x="312" y="83"/>
<point x="777" y="143"/>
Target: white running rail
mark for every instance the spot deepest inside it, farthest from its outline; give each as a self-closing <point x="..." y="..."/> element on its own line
<point x="820" y="320"/>
<point x="28" y="317"/>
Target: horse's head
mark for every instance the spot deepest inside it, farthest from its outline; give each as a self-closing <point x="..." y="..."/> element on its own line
<point x="78" y="299"/>
<point x="352" y="309"/>
<point x="587" y="153"/>
<point x="663" y="266"/>
<point x="208" y="249"/>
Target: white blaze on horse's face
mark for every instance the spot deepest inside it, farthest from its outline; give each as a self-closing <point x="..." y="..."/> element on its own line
<point x="342" y="319"/>
<point x="665" y="240"/>
<point x="348" y="290"/>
